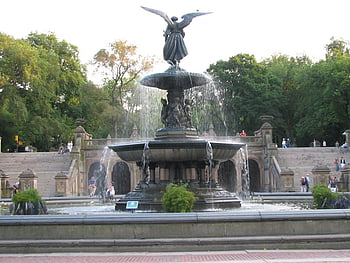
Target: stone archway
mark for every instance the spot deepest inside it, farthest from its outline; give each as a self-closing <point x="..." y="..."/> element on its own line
<point x="98" y="171"/>
<point x="254" y="176"/>
<point x="227" y="177"/>
<point x="121" y="178"/>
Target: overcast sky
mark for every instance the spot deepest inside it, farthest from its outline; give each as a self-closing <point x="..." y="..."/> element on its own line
<point x="258" y="27"/>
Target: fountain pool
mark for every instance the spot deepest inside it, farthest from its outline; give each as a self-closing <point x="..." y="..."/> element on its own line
<point x="96" y="209"/>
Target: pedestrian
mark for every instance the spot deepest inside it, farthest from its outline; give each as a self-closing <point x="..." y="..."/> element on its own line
<point x="324" y="144"/>
<point x="284" y="143"/>
<point x="303" y="184"/>
<point x="70" y="146"/>
<point x="336" y="163"/>
<point x="92" y="186"/>
<point x="243" y="133"/>
<point x="342" y="162"/>
<point x="333" y="184"/>
<point x="288" y="143"/>
<point x="110" y="192"/>
<point x="307" y="182"/>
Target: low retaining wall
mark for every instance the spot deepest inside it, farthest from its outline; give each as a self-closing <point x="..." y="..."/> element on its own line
<point x="176" y="232"/>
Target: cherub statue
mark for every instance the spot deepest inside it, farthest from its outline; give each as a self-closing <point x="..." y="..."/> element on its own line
<point x="174" y="49"/>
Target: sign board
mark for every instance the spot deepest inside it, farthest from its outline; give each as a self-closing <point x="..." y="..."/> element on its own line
<point x="132" y="204"/>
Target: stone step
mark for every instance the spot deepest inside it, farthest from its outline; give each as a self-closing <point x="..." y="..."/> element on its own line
<point x="45" y="165"/>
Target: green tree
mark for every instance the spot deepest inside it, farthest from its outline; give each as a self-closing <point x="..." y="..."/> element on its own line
<point x="324" y="110"/>
<point x="337" y="47"/>
<point x="247" y="91"/>
<point x="122" y="66"/>
<point x="40" y="79"/>
<point x="287" y="73"/>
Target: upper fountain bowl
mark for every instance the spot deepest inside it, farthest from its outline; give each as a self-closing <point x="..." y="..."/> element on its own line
<point x="174" y="78"/>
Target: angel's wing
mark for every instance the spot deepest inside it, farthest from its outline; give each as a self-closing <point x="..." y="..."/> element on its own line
<point x="187" y="19"/>
<point x="160" y="13"/>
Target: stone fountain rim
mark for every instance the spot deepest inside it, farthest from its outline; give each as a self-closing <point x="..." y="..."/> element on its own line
<point x="175" y="143"/>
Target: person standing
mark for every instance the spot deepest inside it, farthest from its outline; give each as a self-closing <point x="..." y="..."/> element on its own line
<point x="342" y="162"/>
<point x="303" y="184"/>
<point x="92" y="186"/>
<point x="336" y="163"/>
<point x="333" y="185"/>
<point x="307" y="182"/>
<point x="284" y="143"/>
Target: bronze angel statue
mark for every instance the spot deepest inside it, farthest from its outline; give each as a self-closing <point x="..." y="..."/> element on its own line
<point x="175" y="49"/>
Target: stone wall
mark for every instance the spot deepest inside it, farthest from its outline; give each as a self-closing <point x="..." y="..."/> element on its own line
<point x="147" y="232"/>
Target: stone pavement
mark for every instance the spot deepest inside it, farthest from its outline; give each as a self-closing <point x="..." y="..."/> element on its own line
<point x="247" y="256"/>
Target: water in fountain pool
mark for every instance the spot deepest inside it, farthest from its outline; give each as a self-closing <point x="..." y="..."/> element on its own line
<point x="96" y="209"/>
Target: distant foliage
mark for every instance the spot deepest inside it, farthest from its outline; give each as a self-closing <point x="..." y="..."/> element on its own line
<point x="177" y="199"/>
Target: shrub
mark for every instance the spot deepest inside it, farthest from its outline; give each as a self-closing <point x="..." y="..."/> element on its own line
<point x="323" y="196"/>
<point x="177" y="199"/>
<point x="28" y="203"/>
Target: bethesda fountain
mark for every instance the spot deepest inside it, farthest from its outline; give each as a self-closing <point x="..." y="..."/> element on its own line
<point x="177" y="154"/>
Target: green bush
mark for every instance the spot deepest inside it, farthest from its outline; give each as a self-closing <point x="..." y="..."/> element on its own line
<point x="28" y="203"/>
<point x="177" y="199"/>
<point x="323" y="196"/>
<point x="30" y="195"/>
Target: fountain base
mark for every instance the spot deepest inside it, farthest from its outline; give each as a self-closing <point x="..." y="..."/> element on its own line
<point x="149" y="198"/>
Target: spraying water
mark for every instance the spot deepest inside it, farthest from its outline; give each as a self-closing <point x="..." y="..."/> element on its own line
<point x="243" y="154"/>
<point x="145" y="164"/>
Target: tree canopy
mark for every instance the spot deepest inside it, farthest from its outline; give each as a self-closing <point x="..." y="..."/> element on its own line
<point x="309" y="100"/>
<point x="44" y="88"/>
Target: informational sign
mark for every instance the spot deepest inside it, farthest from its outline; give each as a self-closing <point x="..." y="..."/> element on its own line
<point x="132" y="204"/>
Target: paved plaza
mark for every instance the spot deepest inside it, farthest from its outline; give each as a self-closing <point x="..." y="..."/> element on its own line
<point x="251" y="256"/>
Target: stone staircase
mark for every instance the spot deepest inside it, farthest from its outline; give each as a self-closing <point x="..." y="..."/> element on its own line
<point x="302" y="160"/>
<point x="45" y="166"/>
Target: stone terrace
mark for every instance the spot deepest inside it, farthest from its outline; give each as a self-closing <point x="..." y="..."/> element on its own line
<point x="302" y="160"/>
<point x="45" y="166"/>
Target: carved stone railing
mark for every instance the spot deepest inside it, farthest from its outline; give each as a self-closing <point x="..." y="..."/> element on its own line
<point x="276" y="172"/>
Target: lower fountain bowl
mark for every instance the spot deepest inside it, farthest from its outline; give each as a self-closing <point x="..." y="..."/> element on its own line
<point x="176" y="150"/>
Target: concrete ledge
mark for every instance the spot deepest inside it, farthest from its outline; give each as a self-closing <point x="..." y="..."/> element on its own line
<point x="169" y="245"/>
<point x="185" y="231"/>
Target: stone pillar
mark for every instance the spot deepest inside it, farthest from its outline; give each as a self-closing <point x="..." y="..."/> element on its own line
<point x="321" y="173"/>
<point x="28" y="180"/>
<point x="163" y="174"/>
<point x="347" y="137"/>
<point x="191" y="174"/>
<point x="5" y="191"/>
<point x="61" y="183"/>
<point x="152" y="174"/>
<point x="269" y="148"/>
<point x="344" y="180"/>
<point x="287" y="180"/>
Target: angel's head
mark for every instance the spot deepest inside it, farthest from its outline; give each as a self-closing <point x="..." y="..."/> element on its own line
<point x="174" y="19"/>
